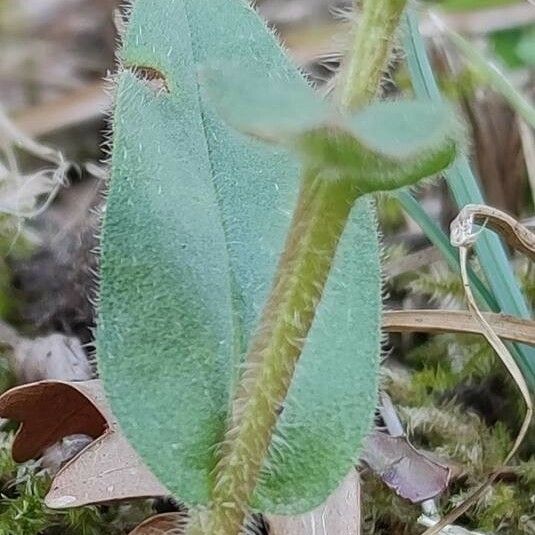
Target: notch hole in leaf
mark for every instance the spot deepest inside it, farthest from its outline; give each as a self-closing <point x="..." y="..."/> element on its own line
<point x="150" y="77"/>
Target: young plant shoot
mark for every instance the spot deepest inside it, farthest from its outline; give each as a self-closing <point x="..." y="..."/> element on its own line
<point x="240" y="304"/>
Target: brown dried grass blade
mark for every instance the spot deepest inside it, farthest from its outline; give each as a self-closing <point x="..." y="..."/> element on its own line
<point x="85" y="104"/>
<point x="463" y="236"/>
<point x="459" y="321"/>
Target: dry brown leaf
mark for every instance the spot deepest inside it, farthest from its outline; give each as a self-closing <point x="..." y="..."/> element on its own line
<point x="339" y="515"/>
<point x="165" y="524"/>
<point x="106" y="470"/>
<point x="443" y="321"/>
<point x="52" y="357"/>
<point x="51" y="410"/>
<point x="408" y="472"/>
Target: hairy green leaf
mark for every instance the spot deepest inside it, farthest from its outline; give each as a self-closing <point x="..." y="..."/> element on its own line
<point x="262" y="105"/>
<point x="194" y="225"/>
<point x="331" y="402"/>
<point x="385" y="146"/>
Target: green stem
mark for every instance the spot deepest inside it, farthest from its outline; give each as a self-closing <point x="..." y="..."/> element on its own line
<point x="320" y="218"/>
<point x="371" y="51"/>
<point x="318" y="223"/>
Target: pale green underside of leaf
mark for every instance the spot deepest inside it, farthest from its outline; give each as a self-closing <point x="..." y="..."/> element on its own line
<point x="385" y="146"/>
<point x="194" y="226"/>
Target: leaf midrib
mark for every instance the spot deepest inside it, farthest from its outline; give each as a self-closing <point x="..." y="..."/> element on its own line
<point x="237" y="325"/>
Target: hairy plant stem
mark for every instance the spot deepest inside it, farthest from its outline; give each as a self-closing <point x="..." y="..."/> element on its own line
<point x="320" y="218"/>
<point x="371" y="51"/>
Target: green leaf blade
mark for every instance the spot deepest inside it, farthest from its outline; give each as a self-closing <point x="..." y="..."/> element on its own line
<point x="191" y="240"/>
<point x="386" y="146"/>
<point x="262" y="105"/>
<point x="195" y="223"/>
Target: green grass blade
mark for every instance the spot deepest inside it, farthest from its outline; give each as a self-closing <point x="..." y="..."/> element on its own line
<point x="470" y="5"/>
<point x="493" y="76"/>
<point x="465" y="189"/>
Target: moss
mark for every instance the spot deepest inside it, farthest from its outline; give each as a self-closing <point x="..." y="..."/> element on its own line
<point x="383" y="512"/>
<point x="456" y="400"/>
<point x="23" y="512"/>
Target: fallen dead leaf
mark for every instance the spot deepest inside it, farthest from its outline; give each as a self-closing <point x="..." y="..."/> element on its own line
<point x="52" y="357"/>
<point x="106" y="470"/>
<point x="165" y="524"/>
<point x="51" y="410"/>
<point x="408" y="472"/>
<point x="339" y="515"/>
